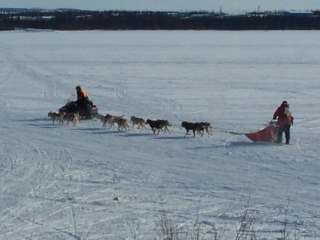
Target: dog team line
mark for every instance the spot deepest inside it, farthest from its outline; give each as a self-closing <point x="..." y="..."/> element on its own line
<point x="157" y="126"/>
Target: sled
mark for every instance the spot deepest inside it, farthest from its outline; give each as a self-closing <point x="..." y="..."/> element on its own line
<point x="268" y="134"/>
<point x="89" y="112"/>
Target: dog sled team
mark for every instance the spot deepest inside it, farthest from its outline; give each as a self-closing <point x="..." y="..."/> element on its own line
<point x="83" y="108"/>
<point x="122" y="124"/>
<point x="73" y="111"/>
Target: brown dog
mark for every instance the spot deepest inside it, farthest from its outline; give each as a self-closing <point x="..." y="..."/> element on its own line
<point x="138" y="121"/>
<point x="107" y="120"/>
<point x="119" y="120"/>
<point x="122" y="124"/>
<point x="159" y="125"/>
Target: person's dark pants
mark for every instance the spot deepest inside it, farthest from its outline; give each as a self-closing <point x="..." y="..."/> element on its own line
<point x="286" y="130"/>
<point x="84" y="106"/>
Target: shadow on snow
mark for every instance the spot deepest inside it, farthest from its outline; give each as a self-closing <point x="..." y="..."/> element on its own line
<point x="235" y="145"/>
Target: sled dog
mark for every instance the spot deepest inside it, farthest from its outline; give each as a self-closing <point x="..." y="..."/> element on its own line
<point x="54" y="116"/>
<point x="119" y="120"/>
<point x="159" y="125"/>
<point x="138" y="121"/>
<point x="107" y="120"/>
<point x="122" y="123"/>
<point x="207" y="127"/>
<point x="71" y="117"/>
<point x="197" y="127"/>
<point x="191" y="126"/>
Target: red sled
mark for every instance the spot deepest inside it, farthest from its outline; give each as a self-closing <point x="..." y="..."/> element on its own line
<point x="268" y="134"/>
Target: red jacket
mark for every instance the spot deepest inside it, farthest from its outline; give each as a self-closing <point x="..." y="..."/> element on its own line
<point x="284" y="116"/>
<point x="81" y="94"/>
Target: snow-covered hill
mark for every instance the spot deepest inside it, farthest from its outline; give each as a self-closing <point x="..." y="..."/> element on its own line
<point x="89" y="182"/>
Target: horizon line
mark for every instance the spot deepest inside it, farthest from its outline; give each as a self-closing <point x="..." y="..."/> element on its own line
<point x="162" y="10"/>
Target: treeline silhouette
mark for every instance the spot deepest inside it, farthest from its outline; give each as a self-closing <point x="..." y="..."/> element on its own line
<point x="70" y="19"/>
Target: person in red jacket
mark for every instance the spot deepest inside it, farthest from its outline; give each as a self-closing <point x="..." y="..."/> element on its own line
<point x="284" y="121"/>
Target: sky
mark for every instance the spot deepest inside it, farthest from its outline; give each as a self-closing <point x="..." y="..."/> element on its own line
<point x="177" y="5"/>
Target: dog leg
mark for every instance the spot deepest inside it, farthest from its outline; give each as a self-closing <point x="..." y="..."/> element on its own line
<point x="75" y="120"/>
<point x="187" y="131"/>
<point x="194" y="132"/>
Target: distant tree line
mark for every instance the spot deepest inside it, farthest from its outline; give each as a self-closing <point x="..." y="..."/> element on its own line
<point x="70" y="19"/>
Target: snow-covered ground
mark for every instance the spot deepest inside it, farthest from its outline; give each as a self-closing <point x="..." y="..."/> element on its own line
<point x="62" y="182"/>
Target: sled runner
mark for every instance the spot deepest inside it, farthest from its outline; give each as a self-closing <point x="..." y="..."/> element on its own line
<point x="268" y="134"/>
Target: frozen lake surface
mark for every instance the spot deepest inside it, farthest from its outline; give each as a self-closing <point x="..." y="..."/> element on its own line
<point x="62" y="182"/>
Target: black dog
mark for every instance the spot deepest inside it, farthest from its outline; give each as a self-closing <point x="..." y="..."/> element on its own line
<point x="160" y="125"/>
<point x="198" y="127"/>
<point x="195" y="127"/>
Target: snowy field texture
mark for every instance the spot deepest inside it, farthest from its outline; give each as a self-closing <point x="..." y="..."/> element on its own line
<point x="89" y="182"/>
